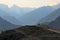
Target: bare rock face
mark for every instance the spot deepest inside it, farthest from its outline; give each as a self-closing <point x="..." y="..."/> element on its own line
<point x="29" y="33"/>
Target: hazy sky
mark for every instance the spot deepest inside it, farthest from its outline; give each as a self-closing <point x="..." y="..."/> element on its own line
<point x="30" y="3"/>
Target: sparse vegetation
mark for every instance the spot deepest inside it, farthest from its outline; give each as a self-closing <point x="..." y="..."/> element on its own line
<point x="30" y="33"/>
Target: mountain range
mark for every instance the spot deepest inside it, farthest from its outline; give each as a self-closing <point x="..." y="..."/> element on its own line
<point x="11" y="14"/>
<point x="34" y="16"/>
<point x="41" y="15"/>
<point x="9" y="18"/>
<point x="51" y="17"/>
<point x="15" y="10"/>
<point x="5" y="25"/>
<point x="29" y="16"/>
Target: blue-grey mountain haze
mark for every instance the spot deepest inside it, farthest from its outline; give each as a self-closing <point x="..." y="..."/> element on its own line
<point x="51" y="17"/>
<point x="29" y="16"/>
<point x="34" y="16"/>
<point x="9" y="18"/>
<point x="5" y="25"/>
<point x="15" y="10"/>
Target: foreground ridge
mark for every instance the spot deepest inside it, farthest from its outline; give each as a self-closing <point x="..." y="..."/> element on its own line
<point x="33" y="32"/>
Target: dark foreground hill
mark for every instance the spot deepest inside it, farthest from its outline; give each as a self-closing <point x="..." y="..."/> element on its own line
<point x="30" y="33"/>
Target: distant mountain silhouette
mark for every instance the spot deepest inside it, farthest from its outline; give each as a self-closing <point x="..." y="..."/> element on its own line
<point x="15" y="10"/>
<point x="18" y="11"/>
<point x="34" y="16"/>
<point x="5" y="25"/>
<point x="51" y="17"/>
<point x="9" y="18"/>
<point x="55" y="24"/>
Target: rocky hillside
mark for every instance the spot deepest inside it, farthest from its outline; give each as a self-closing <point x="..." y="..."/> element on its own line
<point x="30" y="33"/>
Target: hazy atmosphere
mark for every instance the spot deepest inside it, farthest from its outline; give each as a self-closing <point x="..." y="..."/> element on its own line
<point x="29" y="19"/>
<point x="29" y="3"/>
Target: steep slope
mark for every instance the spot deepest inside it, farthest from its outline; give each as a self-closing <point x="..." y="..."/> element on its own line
<point x="5" y="25"/>
<point x="9" y="18"/>
<point x="55" y="24"/>
<point x="51" y="17"/>
<point x="34" y="16"/>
